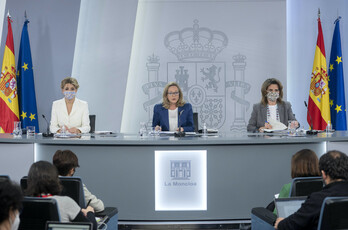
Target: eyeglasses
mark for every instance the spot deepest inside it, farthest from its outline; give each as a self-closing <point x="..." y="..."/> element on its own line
<point x="173" y="93"/>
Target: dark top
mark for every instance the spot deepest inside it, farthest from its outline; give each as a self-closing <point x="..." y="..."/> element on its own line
<point x="307" y="217"/>
<point x="160" y="117"/>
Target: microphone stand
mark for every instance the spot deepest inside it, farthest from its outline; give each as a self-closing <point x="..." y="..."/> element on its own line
<point x="310" y="132"/>
<point x="47" y="133"/>
<point x="179" y="133"/>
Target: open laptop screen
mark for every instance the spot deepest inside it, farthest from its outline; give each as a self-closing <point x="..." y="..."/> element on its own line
<point x="287" y="206"/>
<point x="53" y="225"/>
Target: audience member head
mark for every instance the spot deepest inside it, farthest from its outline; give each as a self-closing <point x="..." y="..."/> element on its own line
<point x="334" y="166"/>
<point x="304" y="163"/>
<point x="43" y="179"/>
<point x="264" y="90"/>
<point x="173" y="87"/>
<point x="65" y="161"/>
<point x="10" y="204"/>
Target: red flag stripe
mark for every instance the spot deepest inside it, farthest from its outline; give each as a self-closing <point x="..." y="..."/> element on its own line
<point x="320" y="40"/>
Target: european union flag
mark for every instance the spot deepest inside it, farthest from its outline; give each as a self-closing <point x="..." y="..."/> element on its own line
<point x="26" y="87"/>
<point x="336" y="82"/>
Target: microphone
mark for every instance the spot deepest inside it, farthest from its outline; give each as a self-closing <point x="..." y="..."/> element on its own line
<point x="310" y="132"/>
<point x="180" y="133"/>
<point x="48" y="133"/>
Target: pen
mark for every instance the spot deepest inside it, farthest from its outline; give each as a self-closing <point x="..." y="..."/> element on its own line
<point x="89" y="202"/>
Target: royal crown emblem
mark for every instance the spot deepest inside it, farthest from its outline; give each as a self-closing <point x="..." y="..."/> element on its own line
<point x="196" y="43"/>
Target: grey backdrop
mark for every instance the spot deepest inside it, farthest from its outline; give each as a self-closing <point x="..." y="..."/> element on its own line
<point x="96" y="46"/>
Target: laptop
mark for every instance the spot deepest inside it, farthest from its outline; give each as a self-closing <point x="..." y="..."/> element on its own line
<point x="287" y="206"/>
<point x="56" y="225"/>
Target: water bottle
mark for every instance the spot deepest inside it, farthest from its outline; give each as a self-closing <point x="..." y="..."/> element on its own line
<point x="205" y="131"/>
<point x="328" y="127"/>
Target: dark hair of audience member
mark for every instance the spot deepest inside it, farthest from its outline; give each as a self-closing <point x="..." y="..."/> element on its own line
<point x="304" y="163"/>
<point x="65" y="160"/>
<point x="10" y="199"/>
<point x="43" y="179"/>
<point x="334" y="164"/>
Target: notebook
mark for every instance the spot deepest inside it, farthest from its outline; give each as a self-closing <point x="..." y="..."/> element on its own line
<point x="287" y="206"/>
<point x="55" y="225"/>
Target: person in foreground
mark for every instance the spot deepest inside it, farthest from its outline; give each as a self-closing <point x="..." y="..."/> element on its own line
<point x="271" y="107"/>
<point x="43" y="181"/>
<point x="66" y="162"/>
<point x="173" y="112"/>
<point x="333" y="166"/>
<point x="70" y="113"/>
<point x="304" y="163"/>
<point x="10" y="204"/>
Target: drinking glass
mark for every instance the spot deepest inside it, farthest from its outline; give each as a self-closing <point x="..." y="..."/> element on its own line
<point x="17" y="129"/>
<point x="30" y="131"/>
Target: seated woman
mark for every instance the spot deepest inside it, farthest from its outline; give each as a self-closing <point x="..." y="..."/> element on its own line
<point x="10" y="204"/>
<point x="66" y="161"/>
<point x="304" y="163"/>
<point x="43" y="181"/>
<point x="70" y="113"/>
<point x="173" y="112"/>
<point x="271" y="107"/>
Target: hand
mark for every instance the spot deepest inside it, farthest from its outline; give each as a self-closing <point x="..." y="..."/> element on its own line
<point x="74" y="130"/>
<point x="86" y="210"/>
<point x="181" y="129"/>
<point x="158" y="128"/>
<point x="268" y="125"/>
<point x="277" y="222"/>
<point x="296" y="124"/>
<point x="66" y="128"/>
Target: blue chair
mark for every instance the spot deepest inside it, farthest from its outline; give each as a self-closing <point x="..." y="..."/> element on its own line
<point x="334" y="213"/>
<point x="36" y="211"/>
<point x="304" y="186"/>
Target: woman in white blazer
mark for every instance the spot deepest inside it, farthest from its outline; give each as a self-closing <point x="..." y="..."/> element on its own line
<point x="69" y="111"/>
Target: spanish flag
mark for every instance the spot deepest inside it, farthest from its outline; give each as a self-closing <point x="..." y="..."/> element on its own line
<point x="9" y="111"/>
<point x="318" y="102"/>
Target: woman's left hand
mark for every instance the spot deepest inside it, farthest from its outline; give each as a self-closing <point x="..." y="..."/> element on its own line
<point x="74" y="130"/>
<point x="182" y="129"/>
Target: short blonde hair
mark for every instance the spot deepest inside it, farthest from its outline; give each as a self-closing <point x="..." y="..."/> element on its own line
<point x="266" y="84"/>
<point x="69" y="80"/>
<point x="166" y="103"/>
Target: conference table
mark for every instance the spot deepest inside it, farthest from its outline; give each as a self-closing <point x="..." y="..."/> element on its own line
<point x="165" y="178"/>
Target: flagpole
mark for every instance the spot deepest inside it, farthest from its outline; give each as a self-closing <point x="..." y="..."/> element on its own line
<point x="319" y="13"/>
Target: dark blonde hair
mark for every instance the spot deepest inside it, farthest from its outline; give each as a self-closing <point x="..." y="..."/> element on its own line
<point x="266" y="84"/>
<point x="304" y="163"/>
<point x="166" y="102"/>
<point x="69" y="80"/>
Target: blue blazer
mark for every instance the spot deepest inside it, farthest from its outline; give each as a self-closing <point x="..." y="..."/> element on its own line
<point x="161" y="118"/>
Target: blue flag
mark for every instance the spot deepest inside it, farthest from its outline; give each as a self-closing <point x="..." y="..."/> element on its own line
<point x="336" y="82"/>
<point x="26" y="88"/>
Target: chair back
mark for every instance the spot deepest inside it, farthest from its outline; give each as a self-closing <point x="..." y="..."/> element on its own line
<point x="304" y="186"/>
<point x="36" y="211"/>
<point x="92" y="123"/>
<point x="4" y="178"/>
<point x="334" y="213"/>
<point x="73" y="187"/>
<point x="195" y="122"/>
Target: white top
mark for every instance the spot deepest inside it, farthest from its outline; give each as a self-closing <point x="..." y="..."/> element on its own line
<point x="68" y="208"/>
<point x="173" y="119"/>
<point x="96" y="203"/>
<point x="273" y="112"/>
<point x="78" y="117"/>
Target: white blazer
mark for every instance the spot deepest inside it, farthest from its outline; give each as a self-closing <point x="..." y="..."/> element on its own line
<point x="79" y="116"/>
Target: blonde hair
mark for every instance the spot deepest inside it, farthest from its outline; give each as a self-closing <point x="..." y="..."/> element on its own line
<point x="266" y="84"/>
<point x="69" y="80"/>
<point x="166" y="103"/>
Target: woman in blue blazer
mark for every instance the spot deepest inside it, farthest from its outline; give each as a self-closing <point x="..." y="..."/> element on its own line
<point x="173" y="112"/>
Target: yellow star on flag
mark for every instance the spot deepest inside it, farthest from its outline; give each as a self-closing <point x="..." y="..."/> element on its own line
<point x="338" y="108"/>
<point x="331" y="103"/>
<point x="23" y="115"/>
<point x="32" y="116"/>
<point x="25" y="66"/>
<point x="331" y="67"/>
<point x="339" y="59"/>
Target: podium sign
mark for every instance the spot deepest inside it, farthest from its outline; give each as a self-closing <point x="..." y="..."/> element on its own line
<point x="181" y="180"/>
